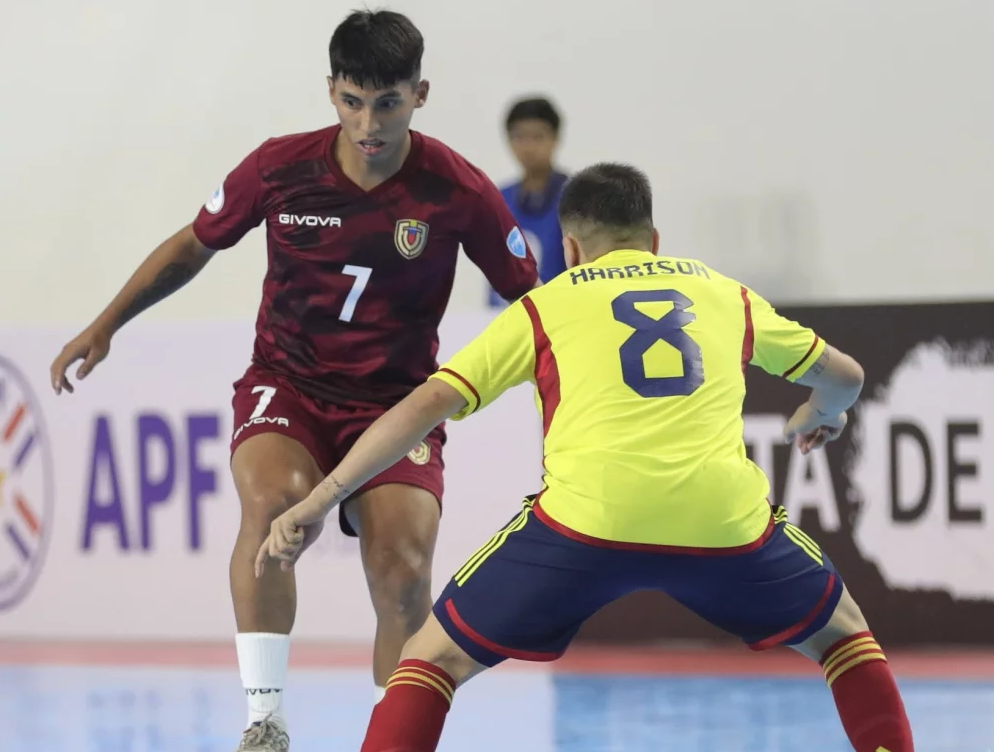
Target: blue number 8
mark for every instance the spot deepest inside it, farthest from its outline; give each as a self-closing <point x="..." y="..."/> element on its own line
<point x="647" y="332"/>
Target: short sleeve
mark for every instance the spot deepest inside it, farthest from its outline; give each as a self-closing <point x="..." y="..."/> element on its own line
<point x="502" y="357"/>
<point x="781" y="346"/>
<point x="494" y="242"/>
<point x="234" y="209"/>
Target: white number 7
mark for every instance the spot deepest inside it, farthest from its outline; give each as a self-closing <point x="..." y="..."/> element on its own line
<point x="266" y="397"/>
<point x="361" y="274"/>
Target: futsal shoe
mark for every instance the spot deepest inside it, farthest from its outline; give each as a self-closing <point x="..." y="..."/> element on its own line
<point x="264" y="736"/>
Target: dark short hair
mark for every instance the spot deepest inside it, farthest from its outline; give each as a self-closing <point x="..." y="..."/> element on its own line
<point x="376" y="48"/>
<point x="536" y="108"/>
<point x="610" y="198"/>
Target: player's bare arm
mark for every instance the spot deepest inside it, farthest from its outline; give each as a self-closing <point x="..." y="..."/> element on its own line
<point x="836" y="381"/>
<point x="382" y="445"/>
<point x="170" y="266"/>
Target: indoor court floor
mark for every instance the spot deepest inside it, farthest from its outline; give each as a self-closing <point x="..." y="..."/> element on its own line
<point x="187" y="698"/>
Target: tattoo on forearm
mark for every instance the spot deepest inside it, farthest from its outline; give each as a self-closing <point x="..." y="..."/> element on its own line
<point x="337" y="490"/>
<point x="819" y="365"/>
<point x="168" y="281"/>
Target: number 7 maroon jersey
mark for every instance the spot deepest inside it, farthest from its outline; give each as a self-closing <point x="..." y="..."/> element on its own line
<point x="358" y="280"/>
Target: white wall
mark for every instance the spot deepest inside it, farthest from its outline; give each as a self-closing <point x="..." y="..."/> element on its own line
<point x="828" y="149"/>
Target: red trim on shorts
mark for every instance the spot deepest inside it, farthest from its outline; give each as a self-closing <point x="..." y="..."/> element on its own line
<point x="807" y="355"/>
<point x="749" y="338"/>
<point x="781" y="637"/>
<point x="546" y="369"/>
<point x="469" y="386"/>
<point x="493" y="647"/>
<point x="652" y="547"/>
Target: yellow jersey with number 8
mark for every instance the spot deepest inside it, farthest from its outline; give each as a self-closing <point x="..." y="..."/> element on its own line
<point x="639" y="362"/>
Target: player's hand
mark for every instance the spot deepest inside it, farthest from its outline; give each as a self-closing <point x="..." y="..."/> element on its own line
<point x="91" y="347"/>
<point x="811" y="430"/>
<point x="290" y="535"/>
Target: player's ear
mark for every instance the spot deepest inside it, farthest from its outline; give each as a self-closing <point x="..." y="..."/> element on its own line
<point x="571" y="251"/>
<point x="655" y="242"/>
<point x="331" y="89"/>
<point x="421" y="93"/>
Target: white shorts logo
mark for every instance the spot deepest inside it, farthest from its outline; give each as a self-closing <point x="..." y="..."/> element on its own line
<point x="216" y="202"/>
<point x="261" y="421"/>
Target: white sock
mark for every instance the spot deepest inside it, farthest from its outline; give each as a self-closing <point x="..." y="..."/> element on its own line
<point x="262" y="663"/>
<point x="378" y="694"/>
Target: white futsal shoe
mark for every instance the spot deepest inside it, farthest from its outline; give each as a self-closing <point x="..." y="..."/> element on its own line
<point x="264" y="736"/>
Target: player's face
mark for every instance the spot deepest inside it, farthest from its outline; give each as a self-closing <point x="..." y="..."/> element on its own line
<point x="375" y="121"/>
<point x="533" y="143"/>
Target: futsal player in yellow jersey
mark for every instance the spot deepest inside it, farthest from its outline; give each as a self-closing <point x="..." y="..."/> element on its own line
<point x="639" y="363"/>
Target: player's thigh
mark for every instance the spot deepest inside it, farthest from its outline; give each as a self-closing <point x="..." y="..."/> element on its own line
<point x="274" y="450"/>
<point x="525" y="593"/>
<point x="419" y="476"/>
<point x="783" y="592"/>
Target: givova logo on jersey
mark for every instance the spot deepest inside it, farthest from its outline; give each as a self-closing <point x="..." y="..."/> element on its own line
<point x="26" y="487"/>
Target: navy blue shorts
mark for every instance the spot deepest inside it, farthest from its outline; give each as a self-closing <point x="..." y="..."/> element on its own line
<point x="526" y="593"/>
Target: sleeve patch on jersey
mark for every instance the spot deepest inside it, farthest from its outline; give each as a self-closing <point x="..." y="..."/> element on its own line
<point x="216" y="202"/>
<point x="516" y="243"/>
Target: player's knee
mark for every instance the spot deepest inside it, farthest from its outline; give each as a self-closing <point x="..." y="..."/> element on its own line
<point x="433" y="645"/>
<point x="400" y="580"/>
<point x="265" y="500"/>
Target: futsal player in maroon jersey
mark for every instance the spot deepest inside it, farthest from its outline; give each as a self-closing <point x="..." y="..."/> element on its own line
<point x="363" y="224"/>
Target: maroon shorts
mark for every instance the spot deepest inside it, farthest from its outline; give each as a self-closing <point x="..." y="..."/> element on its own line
<point x="267" y="403"/>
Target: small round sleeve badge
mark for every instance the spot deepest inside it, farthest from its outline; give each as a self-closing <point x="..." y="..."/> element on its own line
<point x="516" y="243"/>
<point x="216" y="202"/>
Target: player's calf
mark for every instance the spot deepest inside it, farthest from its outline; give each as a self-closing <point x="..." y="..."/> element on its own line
<point x="272" y="472"/>
<point x="400" y="582"/>
<point x="397" y="526"/>
<point x="419" y="693"/>
<point x="861" y="681"/>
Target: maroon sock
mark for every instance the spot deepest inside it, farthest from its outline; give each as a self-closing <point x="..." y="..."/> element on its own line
<point x="866" y="695"/>
<point x="410" y="716"/>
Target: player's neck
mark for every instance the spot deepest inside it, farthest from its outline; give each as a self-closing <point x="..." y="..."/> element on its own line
<point x="537" y="181"/>
<point x="365" y="173"/>
<point x="597" y="253"/>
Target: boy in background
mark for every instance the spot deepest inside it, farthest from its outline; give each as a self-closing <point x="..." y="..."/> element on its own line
<point x="533" y="134"/>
